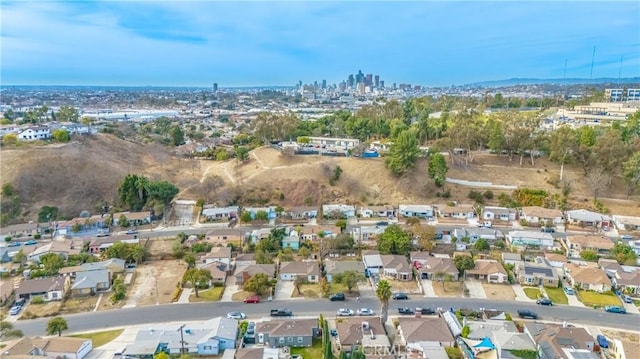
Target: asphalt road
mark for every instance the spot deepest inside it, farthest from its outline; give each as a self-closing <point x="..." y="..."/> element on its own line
<point x="201" y="311"/>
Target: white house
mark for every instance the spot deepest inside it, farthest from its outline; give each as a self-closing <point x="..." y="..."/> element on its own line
<point x="499" y="213"/>
<point x="416" y="210"/>
<point x="541" y="240"/>
<point x="35" y="133"/>
<point x="541" y="215"/>
<point x="218" y="213"/>
<point x="366" y="233"/>
<point x="310" y="270"/>
<point x="626" y="223"/>
<point x="584" y="217"/>
<point x="338" y="210"/>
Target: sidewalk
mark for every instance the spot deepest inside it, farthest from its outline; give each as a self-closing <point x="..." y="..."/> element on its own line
<point x="520" y="294"/>
<point x="184" y="296"/>
<point x="229" y="291"/>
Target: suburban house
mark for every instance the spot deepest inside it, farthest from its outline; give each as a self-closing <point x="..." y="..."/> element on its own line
<point x="34" y="133"/>
<point x="100" y="244"/>
<point x="307" y="269"/>
<point x="623" y="349"/>
<point x="208" y="338"/>
<point x="499" y="214"/>
<point x="555" y="260"/>
<point x="527" y="239"/>
<point x="541" y="216"/>
<point x="624" y="278"/>
<point x="431" y="266"/>
<point x="218" y="272"/>
<point x="511" y="258"/>
<point x="585" y="218"/>
<point x="133" y="218"/>
<point x="601" y="245"/>
<point x="361" y="332"/>
<point x="338" y="211"/>
<point x="474" y="234"/>
<point x="288" y="332"/>
<point x="243" y="273"/>
<point x="506" y="342"/>
<point x="50" y="288"/>
<point x="387" y="265"/>
<point x="478" y="330"/>
<point x="90" y="282"/>
<point x="245" y="259"/>
<point x="63" y="248"/>
<point x="488" y="269"/>
<point x="212" y="213"/>
<point x="372" y="262"/>
<point x="384" y="212"/>
<point x="554" y="340"/>
<point x="291" y="240"/>
<point x="270" y="211"/>
<point x="23" y="230"/>
<point x="415" y="210"/>
<point x="332" y="268"/>
<point x="626" y="223"/>
<point x="459" y="211"/>
<point x="80" y="226"/>
<point x="222" y="235"/>
<point x="52" y="347"/>
<point x="313" y="233"/>
<point x="113" y="265"/>
<point x="431" y="331"/>
<point x="298" y="213"/>
<point x="537" y="273"/>
<point x="587" y="278"/>
<point x="218" y="254"/>
<point x="366" y="233"/>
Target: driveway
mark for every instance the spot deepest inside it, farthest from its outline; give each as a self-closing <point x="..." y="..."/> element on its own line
<point x="229" y="291"/>
<point x="631" y="308"/>
<point x="573" y="301"/>
<point x="284" y="289"/>
<point x="427" y="287"/>
<point x="475" y="289"/>
<point x="520" y="294"/>
<point x="117" y="345"/>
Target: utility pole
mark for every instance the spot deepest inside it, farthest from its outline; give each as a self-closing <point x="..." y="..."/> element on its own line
<point x="593" y="57"/>
<point x="182" y="342"/>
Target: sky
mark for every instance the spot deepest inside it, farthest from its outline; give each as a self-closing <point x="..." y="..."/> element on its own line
<point x="259" y="43"/>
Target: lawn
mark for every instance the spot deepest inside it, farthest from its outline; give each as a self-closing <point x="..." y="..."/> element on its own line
<point x="314" y="351"/>
<point x="557" y="295"/>
<point x="532" y="293"/>
<point x="451" y="289"/>
<point x="100" y="338"/>
<point x="212" y="294"/>
<point x="240" y="295"/>
<point x="314" y="290"/>
<point x="594" y="299"/>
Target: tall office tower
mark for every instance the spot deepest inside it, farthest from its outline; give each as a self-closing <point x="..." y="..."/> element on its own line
<point x="360" y="77"/>
<point x="351" y="81"/>
<point x="377" y="81"/>
<point x="300" y="83"/>
<point x="394" y="86"/>
<point x="369" y="80"/>
<point x="381" y="84"/>
<point x="315" y="84"/>
<point x="343" y="86"/>
<point x="215" y="87"/>
<point x="324" y="84"/>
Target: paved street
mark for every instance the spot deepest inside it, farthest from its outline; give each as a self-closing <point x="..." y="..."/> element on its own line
<point x="200" y="311"/>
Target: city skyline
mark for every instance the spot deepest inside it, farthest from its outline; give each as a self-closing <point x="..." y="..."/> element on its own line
<point x="279" y="43"/>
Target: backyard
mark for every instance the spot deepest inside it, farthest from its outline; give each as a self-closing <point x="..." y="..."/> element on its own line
<point x="557" y="295"/>
<point x="314" y="351"/>
<point x="447" y="289"/>
<point x="593" y="299"/>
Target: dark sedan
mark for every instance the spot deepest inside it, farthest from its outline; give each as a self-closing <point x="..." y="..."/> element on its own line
<point x="405" y="311"/>
<point x="400" y="296"/>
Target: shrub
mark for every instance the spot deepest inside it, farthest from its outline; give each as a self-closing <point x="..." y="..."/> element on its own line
<point x="37" y="300"/>
<point x="488" y="194"/>
<point x="476" y="196"/>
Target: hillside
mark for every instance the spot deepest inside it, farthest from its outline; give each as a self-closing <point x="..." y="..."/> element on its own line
<point x="83" y="174"/>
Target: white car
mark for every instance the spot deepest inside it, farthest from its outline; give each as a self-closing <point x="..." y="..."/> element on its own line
<point x="15" y="310"/>
<point x="236" y="315"/>
<point x="344" y="312"/>
<point x="365" y="312"/>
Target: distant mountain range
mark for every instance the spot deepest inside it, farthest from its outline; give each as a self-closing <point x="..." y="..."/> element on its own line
<point x="569" y="81"/>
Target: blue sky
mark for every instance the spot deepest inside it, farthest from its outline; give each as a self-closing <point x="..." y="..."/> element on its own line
<point x="240" y="43"/>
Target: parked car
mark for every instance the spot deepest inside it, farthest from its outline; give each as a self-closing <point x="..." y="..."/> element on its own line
<point x="627" y="299"/>
<point x="400" y="296"/>
<point x="548" y="230"/>
<point x="132" y="231"/>
<point x="365" y="312"/>
<point x="615" y="309"/>
<point x="15" y="310"/>
<point x="569" y="291"/>
<point x="544" y="301"/>
<point x="344" y="312"/>
<point x="602" y="341"/>
<point x="252" y="299"/>
<point x="405" y="311"/>
<point x="281" y="313"/>
<point x="526" y="313"/>
<point x="425" y="310"/>
<point x="251" y="328"/>
<point x="236" y="315"/>
<point x="626" y="237"/>
<point x="337" y="297"/>
<point x="30" y="243"/>
<point x="334" y="333"/>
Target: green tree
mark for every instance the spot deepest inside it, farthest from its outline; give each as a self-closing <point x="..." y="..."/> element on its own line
<point x="481" y="245"/>
<point x="394" y="240"/>
<point x="61" y="135"/>
<point x="342" y="224"/>
<point x="10" y="139"/>
<point x="263" y="257"/>
<point x="438" y="168"/>
<point x="190" y="260"/>
<point x="119" y="290"/>
<point x="304" y="252"/>
<point x="464" y="263"/>
<point x="403" y="154"/>
<point x="161" y="355"/>
<point x="242" y="153"/>
<point x="47" y="213"/>
<point x="631" y="173"/>
<point x="123" y="221"/>
<point x="350" y="279"/>
<point x="285" y="255"/>
<point x="259" y="284"/>
<point x="624" y="254"/>
<point x="299" y="282"/>
<point x="198" y="278"/>
<point x="176" y="136"/>
<point x="589" y="255"/>
<point x="245" y="217"/>
<point x="67" y="114"/>
<point x="52" y="262"/>
<point x="7" y="331"/>
<point x="56" y="326"/>
<point x="383" y="292"/>
<point x="262" y="216"/>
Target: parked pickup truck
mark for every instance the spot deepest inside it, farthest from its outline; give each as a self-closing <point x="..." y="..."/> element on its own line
<point x="281" y="313"/>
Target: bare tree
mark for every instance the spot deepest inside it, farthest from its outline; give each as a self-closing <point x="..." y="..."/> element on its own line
<point x="597" y="180"/>
<point x="210" y="186"/>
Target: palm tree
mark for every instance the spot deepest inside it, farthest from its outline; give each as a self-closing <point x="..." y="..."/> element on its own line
<point x="383" y="291"/>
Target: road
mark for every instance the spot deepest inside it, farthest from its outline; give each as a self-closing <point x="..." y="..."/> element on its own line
<point x="101" y="320"/>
